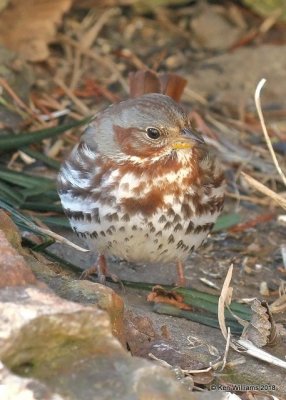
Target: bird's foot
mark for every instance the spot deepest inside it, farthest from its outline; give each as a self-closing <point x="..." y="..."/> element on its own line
<point x="101" y="270"/>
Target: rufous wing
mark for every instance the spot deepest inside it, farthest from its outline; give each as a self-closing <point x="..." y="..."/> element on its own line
<point x="148" y="81"/>
<point x="172" y="85"/>
<point x="143" y="82"/>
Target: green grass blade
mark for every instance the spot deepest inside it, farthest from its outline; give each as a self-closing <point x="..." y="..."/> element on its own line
<point x="60" y="222"/>
<point x="12" y="196"/>
<point x="22" y="221"/>
<point x="11" y="142"/>
<point x="36" y="206"/>
<point x="51" y="196"/>
<point x="38" y="189"/>
<point x="22" y="179"/>
<point x="207" y="320"/>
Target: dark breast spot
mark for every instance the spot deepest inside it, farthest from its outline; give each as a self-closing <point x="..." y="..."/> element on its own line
<point x="151" y="227"/>
<point x="178" y="227"/>
<point x="93" y="235"/>
<point x="171" y="239"/>
<point x="177" y="218"/>
<point x="203" y="228"/>
<point x="167" y="225"/>
<point x="186" y="211"/>
<point x="190" y="228"/>
<point x="164" y="252"/>
<point x="109" y="231"/>
<point x="76" y="215"/>
<point x="95" y="215"/>
<point x="182" y="245"/>
<point x="112" y="217"/>
<point x="171" y="212"/>
<point x="125" y="218"/>
<point x="162" y="219"/>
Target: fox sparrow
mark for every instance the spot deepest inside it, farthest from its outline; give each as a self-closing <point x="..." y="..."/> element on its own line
<point x="141" y="184"/>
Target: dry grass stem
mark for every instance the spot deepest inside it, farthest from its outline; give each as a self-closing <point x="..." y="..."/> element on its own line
<point x="241" y="197"/>
<point x="61" y="239"/>
<point x="264" y="129"/>
<point x="265" y="190"/>
<point x="226" y="349"/>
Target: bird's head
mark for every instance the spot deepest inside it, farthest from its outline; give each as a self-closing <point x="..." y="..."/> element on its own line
<point x="150" y="126"/>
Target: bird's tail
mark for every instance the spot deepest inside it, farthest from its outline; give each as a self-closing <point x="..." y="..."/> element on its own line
<point x="147" y="81"/>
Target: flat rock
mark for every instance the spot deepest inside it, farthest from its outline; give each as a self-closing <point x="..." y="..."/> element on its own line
<point x="69" y="348"/>
<point x="13" y="268"/>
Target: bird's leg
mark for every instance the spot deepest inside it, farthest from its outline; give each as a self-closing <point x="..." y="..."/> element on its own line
<point x="181" y="279"/>
<point x="99" y="268"/>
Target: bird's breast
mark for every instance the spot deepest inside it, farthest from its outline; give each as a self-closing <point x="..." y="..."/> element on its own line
<point x="156" y="213"/>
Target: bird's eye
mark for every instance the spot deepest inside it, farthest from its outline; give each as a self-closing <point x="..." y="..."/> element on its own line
<point x="153" y="133"/>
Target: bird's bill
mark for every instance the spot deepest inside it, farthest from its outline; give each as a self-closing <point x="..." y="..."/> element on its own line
<point x="182" y="145"/>
<point x="188" y="139"/>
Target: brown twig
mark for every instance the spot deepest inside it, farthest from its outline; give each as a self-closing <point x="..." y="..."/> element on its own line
<point x="18" y="101"/>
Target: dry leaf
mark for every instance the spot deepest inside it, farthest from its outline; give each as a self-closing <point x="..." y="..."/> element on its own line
<point x="28" y="26"/>
<point x="160" y="295"/>
<point x="261" y="329"/>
